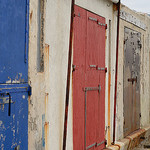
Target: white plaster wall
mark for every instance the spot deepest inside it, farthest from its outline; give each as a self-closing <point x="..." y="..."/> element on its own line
<point x="49" y="87"/>
<point x="57" y="32"/>
<point x="144" y="73"/>
<point x="37" y="82"/>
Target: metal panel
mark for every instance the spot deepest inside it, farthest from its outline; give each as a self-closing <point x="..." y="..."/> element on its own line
<point x="13" y="46"/>
<point x="14" y="88"/>
<point x="14" y="128"/>
<point x="132" y="51"/>
<point x="89" y="81"/>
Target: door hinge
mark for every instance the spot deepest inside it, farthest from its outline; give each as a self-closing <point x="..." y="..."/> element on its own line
<point x="102" y="69"/>
<point x="73" y="68"/>
<point x="99" y="23"/>
<point x="93" y="88"/>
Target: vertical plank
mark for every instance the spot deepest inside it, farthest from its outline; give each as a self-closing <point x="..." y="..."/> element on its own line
<point x="79" y="77"/>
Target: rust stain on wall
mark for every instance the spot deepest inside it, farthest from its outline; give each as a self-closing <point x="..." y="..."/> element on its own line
<point x="46" y="127"/>
<point x="31" y="15"/>
<point x="46" y="103"/>
<point x="46" y="53"/>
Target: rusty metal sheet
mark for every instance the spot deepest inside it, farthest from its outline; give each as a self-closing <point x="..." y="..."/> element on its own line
<point x="89" y="81"/>
<point x="131" y="95"/>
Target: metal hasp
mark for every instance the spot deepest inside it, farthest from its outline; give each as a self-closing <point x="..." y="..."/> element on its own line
<point x="88" y="94"/>
<point x="131" y="95"/>
<point x="14" y="87"/>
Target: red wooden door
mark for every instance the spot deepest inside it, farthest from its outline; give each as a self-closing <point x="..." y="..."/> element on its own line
<point x="88" y="81"/>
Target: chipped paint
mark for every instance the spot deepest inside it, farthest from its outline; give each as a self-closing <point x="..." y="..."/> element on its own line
<point x="132" y="19"/>
<point x="18" y="79"/>
<point x="23" y="96"/>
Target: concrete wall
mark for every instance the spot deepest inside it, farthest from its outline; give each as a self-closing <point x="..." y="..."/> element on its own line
<point x="144" y="85"/>
<point x="47" y="103"/>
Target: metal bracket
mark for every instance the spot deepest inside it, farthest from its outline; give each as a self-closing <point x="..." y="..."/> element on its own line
<point x="14" y="88"/>
<point x="93" y="88"/>
<point x="95" y="144"/>
<point x="102" y="69"/>
<point x="98" y="68"/>
<point x="93" y="66"/>
<point x="99" y="23"/>
<point x="93" y="19"/>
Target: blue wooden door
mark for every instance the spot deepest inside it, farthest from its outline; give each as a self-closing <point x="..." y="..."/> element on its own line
<point x="14" y="88"/>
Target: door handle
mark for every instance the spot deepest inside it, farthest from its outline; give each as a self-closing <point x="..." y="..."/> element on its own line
<point x="9" y="104"/>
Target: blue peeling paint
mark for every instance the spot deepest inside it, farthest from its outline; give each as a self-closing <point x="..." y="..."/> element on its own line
<point x="14" y="88"/>
<point x="14" y="39"/>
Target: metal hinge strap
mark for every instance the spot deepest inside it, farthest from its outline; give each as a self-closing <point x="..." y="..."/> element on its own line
<point x="95" y="144"/>
<point x="100" y="143"/>
<point x="91" y="146"/>
<point x="93" y="66"/>
<point x="93" y="88"/>
<point x="98" y="68"/>
<point x="99" y="23"/>
<point x="93" y="19"/>
<point x="14" y="88"/>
